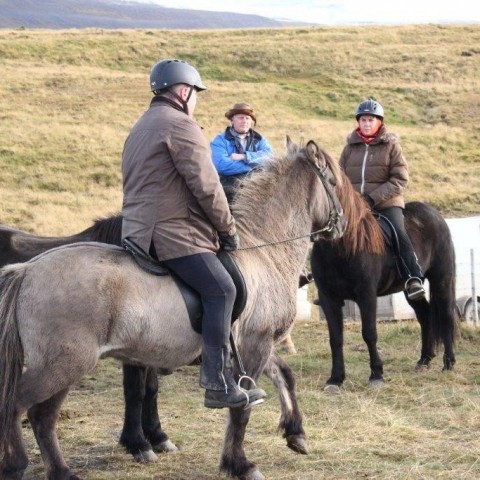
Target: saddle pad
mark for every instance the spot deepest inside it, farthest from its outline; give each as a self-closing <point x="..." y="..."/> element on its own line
<point x="190" y="296"/>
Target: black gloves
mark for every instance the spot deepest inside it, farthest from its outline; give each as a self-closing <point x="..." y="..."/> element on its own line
<point x="368" y="199"/>
<point x="306" y="277"/>
<point x="229" y="243"/>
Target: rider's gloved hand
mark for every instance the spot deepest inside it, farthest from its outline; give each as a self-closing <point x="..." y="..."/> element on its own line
<point x="369" y="200"/>
<point x="229" y="243"/>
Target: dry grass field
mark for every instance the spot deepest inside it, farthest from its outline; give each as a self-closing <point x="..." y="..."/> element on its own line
<point x="67" y="102"/>
<point x="418" y="426"/>
<point x="69" y="98"/>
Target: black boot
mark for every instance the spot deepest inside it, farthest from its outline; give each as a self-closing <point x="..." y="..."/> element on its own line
<point x="221" y="390"/>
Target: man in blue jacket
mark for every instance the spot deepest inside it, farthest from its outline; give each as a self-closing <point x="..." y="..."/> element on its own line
<point x="239" y="149"/>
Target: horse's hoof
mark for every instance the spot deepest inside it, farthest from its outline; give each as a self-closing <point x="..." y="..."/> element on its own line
<point x="165" y="447"/>
<point x="297" y="444"/>
<point x="378" y="383"/>
<point x="288" y="349"/>
<point x="421" y="365"/>
<point x="332" y="389"/>
<point x="254" y="474"/>
<point x="148" y="456"/>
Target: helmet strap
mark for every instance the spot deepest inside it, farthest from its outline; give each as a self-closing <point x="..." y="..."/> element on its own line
<point x="184" y="103"/>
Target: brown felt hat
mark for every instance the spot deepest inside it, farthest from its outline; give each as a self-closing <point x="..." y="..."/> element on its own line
<point x="243" y="108"/>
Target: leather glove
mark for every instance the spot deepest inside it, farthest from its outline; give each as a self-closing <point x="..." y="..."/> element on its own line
<point x="369" y="200"/>
<point x="229" y="243"/>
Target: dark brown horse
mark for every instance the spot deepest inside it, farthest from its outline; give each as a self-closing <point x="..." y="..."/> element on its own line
<point x="359" y="267"/>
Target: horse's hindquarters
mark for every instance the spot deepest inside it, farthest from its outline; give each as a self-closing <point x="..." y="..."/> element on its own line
<point x="134" y="315"/>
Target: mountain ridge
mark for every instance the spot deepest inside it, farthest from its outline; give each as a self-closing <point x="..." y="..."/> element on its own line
<point x="54" y="14"/>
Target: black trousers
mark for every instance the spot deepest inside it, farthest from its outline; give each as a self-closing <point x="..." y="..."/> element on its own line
<point x="410" y="266"/>
<point x="206" y="275"/>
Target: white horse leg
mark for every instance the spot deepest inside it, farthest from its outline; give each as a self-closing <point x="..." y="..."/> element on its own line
<point x="291" y="420"/>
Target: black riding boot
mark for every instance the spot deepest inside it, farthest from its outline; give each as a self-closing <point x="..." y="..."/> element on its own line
<point x="221" y="390"/>
<point x="413" y="275"/>
<point x="409" y="265"/>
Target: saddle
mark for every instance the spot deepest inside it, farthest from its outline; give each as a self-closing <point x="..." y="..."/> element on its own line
<point x="191" y="298"/>
<point x="390" y="237"/>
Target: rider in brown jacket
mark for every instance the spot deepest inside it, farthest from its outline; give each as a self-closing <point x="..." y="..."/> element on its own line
<point x="373" y="160"/>
<point x="174" y="205"/>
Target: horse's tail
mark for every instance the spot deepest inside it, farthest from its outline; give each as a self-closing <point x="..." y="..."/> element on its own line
<point x="443" y="308"/>
<point x="11" y="351"/>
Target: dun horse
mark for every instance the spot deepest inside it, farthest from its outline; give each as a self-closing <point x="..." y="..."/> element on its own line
<point x="54" y="292"/>
<point x="142" y="434"/>
<point x="358" y="267"/>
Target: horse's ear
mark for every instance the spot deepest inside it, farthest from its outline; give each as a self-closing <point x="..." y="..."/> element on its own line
<point x="315" y="155"/>
<point x="289" y="144"/>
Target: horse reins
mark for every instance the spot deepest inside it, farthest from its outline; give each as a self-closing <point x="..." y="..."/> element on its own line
<point x="336" y="212"/>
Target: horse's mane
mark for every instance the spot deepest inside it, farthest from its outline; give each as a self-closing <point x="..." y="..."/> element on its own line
<point x="363" y="233"/>
<point x="262" y="185"/>
<point x="106" y="230"/>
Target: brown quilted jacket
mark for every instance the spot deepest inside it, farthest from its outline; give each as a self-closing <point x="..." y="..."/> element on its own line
<point x="171" y="190"/>
<point x="378" y="169"/>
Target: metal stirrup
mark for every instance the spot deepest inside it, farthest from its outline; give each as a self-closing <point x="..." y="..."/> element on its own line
<point x="243" y="375"/>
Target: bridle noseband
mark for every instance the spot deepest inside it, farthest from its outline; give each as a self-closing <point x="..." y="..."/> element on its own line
<point x="336" y="210"/>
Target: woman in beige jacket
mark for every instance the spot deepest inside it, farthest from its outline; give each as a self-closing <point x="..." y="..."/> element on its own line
<point x="373" y="161"/>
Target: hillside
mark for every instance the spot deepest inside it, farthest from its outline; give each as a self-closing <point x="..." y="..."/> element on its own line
<point x="118" y="14"/>
<point x="68" y="98"/>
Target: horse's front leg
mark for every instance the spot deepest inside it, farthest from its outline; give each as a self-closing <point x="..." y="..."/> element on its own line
<point x="422" y="312"/>
<point x="291" y="420"/>
<point x="255" y="354"/>
<point x="233" y="460"/>
<point x="367" y="303"/>
<point x="151" y="426"/>
<point x="132" y="437"/>
<point x="332" y="308"/>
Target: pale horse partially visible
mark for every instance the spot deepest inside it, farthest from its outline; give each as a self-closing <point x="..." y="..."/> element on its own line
<point x="67" y="308"/>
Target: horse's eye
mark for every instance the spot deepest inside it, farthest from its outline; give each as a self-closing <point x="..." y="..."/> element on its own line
<point x="333" y="181"/>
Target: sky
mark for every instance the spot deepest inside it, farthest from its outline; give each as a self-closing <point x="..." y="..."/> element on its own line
<point x="343" y="12"/>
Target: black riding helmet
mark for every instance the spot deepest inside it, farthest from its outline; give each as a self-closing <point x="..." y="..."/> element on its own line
<point x="166" y="73"/>
<point x="369" y="107"/>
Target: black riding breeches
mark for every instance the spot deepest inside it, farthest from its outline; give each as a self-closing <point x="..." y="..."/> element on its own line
<point x="409" y="263"/>
<point x="206" y="275"/>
